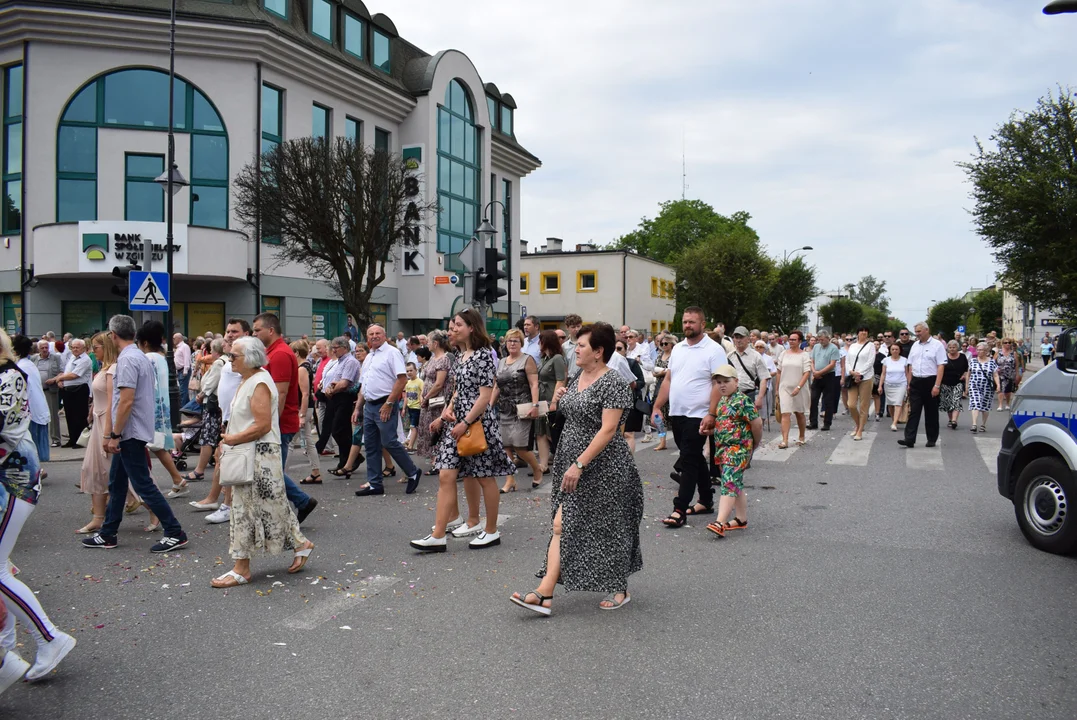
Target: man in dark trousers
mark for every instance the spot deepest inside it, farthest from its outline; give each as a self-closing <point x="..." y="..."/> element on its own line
<point x="927" y="360"/>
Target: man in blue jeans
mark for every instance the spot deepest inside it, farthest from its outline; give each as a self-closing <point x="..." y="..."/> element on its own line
<point x="381" y="387"/>
<point x="133" y="406"/>
<point x="283" y="366"/>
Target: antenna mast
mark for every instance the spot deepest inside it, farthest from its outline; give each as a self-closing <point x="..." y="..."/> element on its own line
<point x="684" y="170"/>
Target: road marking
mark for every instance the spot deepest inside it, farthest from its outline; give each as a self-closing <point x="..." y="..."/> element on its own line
<point x="852" y="452"/>
<point x="924" y="458"/>
<point x="322" y="612"/>
<point x="769" y="451"/>
<point x="989" y="448"/>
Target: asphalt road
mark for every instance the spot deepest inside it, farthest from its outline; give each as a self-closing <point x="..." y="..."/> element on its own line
<point x="873" y="582"/>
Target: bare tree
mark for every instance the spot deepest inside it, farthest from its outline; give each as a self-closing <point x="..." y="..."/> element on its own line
<point x="340" y="210"/>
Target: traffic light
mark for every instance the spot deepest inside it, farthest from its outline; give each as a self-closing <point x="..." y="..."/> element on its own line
<point x="482" y="282"/>
<point x="492" y="290"/>
<point x="124" y="273"/>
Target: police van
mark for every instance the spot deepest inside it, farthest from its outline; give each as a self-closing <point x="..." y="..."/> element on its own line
<point x="1037" y="466"/>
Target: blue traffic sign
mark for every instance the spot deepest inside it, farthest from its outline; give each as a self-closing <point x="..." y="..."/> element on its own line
<point x="961" y="329"/>
<point x="454" y="279"/>
<point x="148" y="291"/>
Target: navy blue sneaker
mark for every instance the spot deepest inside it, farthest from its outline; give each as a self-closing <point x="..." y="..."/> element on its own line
<point x="169" y="544"/>
<point x="97" y="540"/>
<point x="413" y="482"/>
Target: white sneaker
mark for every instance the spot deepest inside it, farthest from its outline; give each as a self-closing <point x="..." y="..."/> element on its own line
<point x="204" y="507"/>
<point x="453" y="524"/>
<point x="648" y="438"/>
<point x="49" y="655"/>
<point x="12" y="670"/>
<point x="463" y="531"/>
<point x="178" y="492"/>
<point x="485" y="540"/>
<point x="430" y="544"/>
<point x="220" y="516"/>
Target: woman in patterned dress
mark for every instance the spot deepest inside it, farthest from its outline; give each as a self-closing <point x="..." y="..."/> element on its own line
<point x="438" y="382"/>
<point x="1007" y="373"/>
<point x="597" y="493"/>
<point x="954" y="379"/>
<point x="665" y="344"/>
<point x="261" y="518"/>
<point x="983" y="380"/>
<point x="738" y="430"/>
<point x="518" y="384"/>
<point x="470" y="404"/>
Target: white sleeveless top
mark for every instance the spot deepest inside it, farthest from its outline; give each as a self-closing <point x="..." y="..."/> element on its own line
<point x="242" y="418"/>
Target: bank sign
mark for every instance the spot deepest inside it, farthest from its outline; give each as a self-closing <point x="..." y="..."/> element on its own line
<point x="106" y="244"/>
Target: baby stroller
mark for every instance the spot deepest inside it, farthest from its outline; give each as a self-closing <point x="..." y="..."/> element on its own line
<point x="190" y="430"/>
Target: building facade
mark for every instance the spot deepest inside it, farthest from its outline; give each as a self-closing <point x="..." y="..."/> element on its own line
<point x="614" y="286"/>
<point x="1025" y="320"/>
<point x="85" y="97"/>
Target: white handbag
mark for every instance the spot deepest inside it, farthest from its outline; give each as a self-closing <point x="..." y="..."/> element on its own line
<point x="236" y="464"/>
<point x="524" y="409"/>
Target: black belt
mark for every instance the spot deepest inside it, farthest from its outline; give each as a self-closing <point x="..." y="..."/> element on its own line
<point x="378" y="401"/>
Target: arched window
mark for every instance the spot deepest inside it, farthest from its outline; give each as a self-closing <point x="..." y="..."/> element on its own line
<point x="137" y="99"/>
<point x="458" y="174"/>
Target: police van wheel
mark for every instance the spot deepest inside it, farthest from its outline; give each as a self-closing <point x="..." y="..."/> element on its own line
<point x="1045" y="501"/>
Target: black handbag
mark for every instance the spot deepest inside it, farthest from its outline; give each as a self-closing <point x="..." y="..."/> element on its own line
<point x="850" y="381"/>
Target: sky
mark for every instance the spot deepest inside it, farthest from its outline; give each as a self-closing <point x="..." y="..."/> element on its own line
<point x="834" y="123"/>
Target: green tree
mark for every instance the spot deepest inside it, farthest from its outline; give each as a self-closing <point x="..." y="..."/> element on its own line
<point x="876" y="320"/>
<point x="723" y="274"/>
<point x="680" y="224"/>
<point x="871" y="292"/>
<point x="1025" y="190"/>
<point x="842" y="314"/>
<point x="791" y="289"/>
<point x="340" y="210"/>
<point x="988" y="304"/>
<point x="947" y="315"/>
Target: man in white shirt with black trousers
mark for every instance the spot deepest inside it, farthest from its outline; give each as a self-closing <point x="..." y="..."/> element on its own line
<point x="688" y="387"/>
<point x="927" y="360"/>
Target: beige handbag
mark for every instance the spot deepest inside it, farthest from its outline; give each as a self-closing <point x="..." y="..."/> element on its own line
<point x="236" y="464"/>
<point x="524" y="409"/>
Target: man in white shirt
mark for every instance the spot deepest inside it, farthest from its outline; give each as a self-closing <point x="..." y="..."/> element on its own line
<point x="573" y="323"/>
<point x="688" y="387"/>
<point x="752" y="372"/>
<point x="638" y="351"/>
<point x="927" y="361"/>
<point x="75" y="390"/>
<point x="182" y="354"/>
<point x="775" y="348"/>
<point x="401" y="344"/>
<point x="531" y="338"/>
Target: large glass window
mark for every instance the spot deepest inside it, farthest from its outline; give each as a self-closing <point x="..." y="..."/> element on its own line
<point x="143" y="198"/>
<point x="319" y="126"/>
<point x="11" y="170"/>
<point x="353" y="129"/>
<point x="382" y="54"/>
<point x="491" y="105"/>
<point x="506" y="120"/>
<point x="138" y="99"/>
<point x="382" y="140"/>
<point x="458" y="174"/>
<point x="272" y="136"/>
<point x="278" y="7"/>
<point x="321" y="19"/>
<point x="354" y="30"/>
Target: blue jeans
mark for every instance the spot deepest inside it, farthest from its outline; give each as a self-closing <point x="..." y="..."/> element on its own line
<point x="131" y="466"/>
<point x="183" y="378"/>
<point x="377" y="435"/>
<point x="295" y="496"/>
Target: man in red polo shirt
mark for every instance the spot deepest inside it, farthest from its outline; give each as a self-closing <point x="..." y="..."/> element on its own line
<point x="284" y="368"/>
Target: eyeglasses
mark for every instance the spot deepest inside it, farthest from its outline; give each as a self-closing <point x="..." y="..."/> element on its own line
<point x="904" y="334"/>
<point x="666" y="344"/>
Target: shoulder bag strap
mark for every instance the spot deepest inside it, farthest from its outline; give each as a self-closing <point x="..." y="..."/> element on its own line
<point x="745" y="369"/>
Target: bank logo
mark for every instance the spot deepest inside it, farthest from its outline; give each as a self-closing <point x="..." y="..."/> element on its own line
<point x="95" y="245"/>
<point x="411" y="164"/>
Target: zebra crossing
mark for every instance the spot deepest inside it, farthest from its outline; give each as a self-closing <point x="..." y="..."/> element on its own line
<point x="857" y="453"/>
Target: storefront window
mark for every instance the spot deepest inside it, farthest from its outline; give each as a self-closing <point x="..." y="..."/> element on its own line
<point x="138" y="99"/>
<point x="458" y="174"/>
<point x="143" y="197"/>
<point x="11" y="170"/>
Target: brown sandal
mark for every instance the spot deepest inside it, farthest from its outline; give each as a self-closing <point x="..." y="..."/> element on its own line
<point x="736" y="524"/>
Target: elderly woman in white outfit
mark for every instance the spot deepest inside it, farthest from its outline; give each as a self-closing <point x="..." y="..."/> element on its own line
<point x="894" y="383"/>
<point x="261" y="519"/>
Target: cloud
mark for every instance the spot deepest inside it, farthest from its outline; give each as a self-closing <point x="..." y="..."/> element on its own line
<point x="835" y="123"/>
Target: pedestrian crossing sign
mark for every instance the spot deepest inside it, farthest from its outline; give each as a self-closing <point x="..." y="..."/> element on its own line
<point x="148" y="291"/>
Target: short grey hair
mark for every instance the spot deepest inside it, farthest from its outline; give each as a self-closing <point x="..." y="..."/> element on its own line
<point x="252" y="350"/>
<point x="439" y="338"/>
<point x="823" y="333"/>
<point x="122" y="326"/>
<point x="919" y="325"/>
<point x="217" y="346"/>
<point x="953" y="343"/>
<point x="342" y="341"/>
<point x="984" y="345"/>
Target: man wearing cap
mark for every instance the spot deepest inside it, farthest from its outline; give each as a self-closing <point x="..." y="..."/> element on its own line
<point x="825" y="357"/>
<point x="752" y="372"/>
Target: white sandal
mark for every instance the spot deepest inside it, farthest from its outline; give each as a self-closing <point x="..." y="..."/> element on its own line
<point x="230" y="575"/>
<point x="616" y="605"/>
<point x="302" y="555"/>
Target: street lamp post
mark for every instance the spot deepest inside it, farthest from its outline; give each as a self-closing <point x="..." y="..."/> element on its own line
<point x="172" y="181"/>
<point x="785" y="256"/>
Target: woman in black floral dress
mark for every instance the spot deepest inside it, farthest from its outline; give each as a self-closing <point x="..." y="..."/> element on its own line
<point x="597" y="492"/>
<point x="474" y="376"/>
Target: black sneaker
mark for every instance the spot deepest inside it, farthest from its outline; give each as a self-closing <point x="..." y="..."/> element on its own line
<point x="307" y="510"/>
<point x="813" y="427"/>
<point x="168" y="544"/>
<point x="825" y="428"/>
<point x="413" y="482"/>
<point x="97" y="540"/>
<point x="906" y="444"/>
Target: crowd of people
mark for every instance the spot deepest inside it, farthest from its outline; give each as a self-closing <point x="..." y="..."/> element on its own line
<point x="564" y="403"/>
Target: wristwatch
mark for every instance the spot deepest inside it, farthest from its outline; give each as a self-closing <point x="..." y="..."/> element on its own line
<point x="578" y="464"/>
<point x="114" y="436"/>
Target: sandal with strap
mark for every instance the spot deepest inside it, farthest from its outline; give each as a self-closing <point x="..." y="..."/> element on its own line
<point x="717" y="528"/>
<point x="229" y="580"/>
<point x="194" y="476"/>
<point x="614" y="605"/>
<point x="311" y="480"/>
<point x="389" y="472"/>
<point x="707" y="510"/>
<point x="538" y="607"/>
<point x="735" y="524"/>
<point x="301" y="556"/>
<point x="676" y="519"/>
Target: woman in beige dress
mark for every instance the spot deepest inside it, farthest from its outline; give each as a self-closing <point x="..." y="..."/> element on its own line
<point x="794" y="368"/>
<point x="95" y="465"/>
